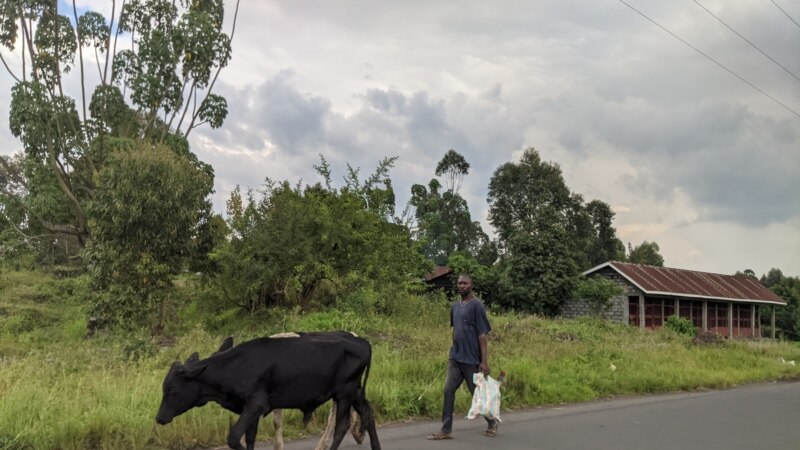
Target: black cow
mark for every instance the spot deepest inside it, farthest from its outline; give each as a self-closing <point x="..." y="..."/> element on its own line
<point x="277" y="414"/>
<point x="253" y="378"/>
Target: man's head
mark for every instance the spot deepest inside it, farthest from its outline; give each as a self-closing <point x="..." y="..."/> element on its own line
<point x="464" y="285"/>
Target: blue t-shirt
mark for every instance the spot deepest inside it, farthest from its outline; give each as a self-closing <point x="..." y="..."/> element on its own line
<point x="468" y="321"/>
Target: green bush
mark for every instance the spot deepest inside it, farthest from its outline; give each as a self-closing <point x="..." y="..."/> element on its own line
<point x="598" y="292"/>
<point x="680" y="325"/>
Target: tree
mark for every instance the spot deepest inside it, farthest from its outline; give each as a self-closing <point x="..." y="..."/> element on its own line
<point x="166" y="75"/>
<point x="530" y="195"/>
<point x="605" y="245"/>
<point x="787" y="318"/>
<point x="18" y="234"/>
<point x="645" y="253"/>
<point x="306" y="246"/>
<point x="538" y="273"/>
<point x="452" y="168"/>
<point x="544" y="232"/>
<point x="444" y="223"/>
<point x="746" y="273"/>
<point x="773" y="277"/>
<point x="145" y="213"/>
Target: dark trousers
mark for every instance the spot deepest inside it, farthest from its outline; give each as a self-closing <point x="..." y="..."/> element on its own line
<point x="457" y="373"/>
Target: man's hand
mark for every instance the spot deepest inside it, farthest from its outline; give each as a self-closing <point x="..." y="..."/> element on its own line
<point x="484" y="367"/>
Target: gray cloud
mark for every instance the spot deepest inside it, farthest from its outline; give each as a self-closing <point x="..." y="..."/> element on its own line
<point x="692" y="156"/>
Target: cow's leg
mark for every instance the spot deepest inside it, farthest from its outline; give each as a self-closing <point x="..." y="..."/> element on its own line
<point x="252" y="412"/>
<point x="277" y="422"/>
<point x="250" y="436"/>
<point x="342" y="421"/>
<point x="361" y="405"/>
<point x="355" y="427"/>
<point x="325" y="439"/>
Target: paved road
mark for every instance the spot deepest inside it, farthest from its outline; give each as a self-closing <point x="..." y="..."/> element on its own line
<point x="762" y="416"/>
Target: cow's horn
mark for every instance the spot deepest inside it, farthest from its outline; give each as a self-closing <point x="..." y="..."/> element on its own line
<point x="194" y="357"/>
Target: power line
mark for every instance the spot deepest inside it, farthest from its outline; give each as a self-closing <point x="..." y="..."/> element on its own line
<point x="711" y="59"/>
<point x="787" y="14"/>
<point x="747" y="40"/>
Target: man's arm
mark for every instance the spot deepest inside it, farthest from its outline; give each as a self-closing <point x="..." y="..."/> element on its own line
<point x="483" y="341"/>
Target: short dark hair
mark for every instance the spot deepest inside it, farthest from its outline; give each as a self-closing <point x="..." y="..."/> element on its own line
<point x="465" y="275"/>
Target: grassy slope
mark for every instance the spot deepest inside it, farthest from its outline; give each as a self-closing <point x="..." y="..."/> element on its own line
<point x="60" y="390"/>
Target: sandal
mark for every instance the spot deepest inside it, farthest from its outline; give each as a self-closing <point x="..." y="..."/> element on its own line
<point x="440" y="436"/>
<point x="491" y="431"/>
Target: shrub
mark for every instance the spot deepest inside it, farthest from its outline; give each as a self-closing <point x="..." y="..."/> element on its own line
<point x="680" y="325"/>
<point x="598" y="292"/>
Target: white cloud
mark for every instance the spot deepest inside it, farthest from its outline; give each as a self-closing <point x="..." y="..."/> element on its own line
<point x="688" y="155"/>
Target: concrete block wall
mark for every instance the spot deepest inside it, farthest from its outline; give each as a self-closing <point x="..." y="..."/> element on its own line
<point x="617" y="312"/>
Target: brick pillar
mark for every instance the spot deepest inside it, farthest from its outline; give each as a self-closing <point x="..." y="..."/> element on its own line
<point x="773" y="321"/>
<point x="705" y="316"/>
<point x="626" y="309"/>
<point x="753" y="320"/>
<point x="641" y="312"/>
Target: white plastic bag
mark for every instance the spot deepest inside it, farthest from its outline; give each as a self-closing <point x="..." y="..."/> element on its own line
<point x="486" y="399"/>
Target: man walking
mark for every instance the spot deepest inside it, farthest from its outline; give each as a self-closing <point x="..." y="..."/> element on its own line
<point x="469" y="353"/>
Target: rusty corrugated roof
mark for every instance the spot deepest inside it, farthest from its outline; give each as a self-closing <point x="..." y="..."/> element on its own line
<point x="438" y="272"/>
<point x="690" y="283"/>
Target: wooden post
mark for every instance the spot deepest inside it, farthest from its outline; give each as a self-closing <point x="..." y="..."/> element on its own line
<point x="753" y="320"/>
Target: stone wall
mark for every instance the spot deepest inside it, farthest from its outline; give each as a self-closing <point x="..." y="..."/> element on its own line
<point x="618" y="312"/>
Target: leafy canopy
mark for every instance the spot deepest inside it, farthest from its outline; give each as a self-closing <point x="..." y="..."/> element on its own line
<point x="645" y="253"/>
<point x="444" y="225"/>
<point x="147" y="208"/>
<point x="158" y="89"/>
<point x="308" y="245"/>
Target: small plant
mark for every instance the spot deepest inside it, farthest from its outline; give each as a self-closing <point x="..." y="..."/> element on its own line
<point x="680" y="325"/>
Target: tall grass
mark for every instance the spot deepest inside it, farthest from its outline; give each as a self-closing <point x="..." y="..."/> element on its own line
<point x="60" y="390"/>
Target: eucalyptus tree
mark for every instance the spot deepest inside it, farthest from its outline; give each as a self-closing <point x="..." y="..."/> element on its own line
<point x="452" y="168"/>
<point x="85" y="85"/>
<point x="444" y="224"/>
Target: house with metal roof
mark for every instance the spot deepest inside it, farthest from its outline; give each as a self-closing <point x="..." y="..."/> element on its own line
<point x="728" y="305"/>
<point x="441" y="277"/>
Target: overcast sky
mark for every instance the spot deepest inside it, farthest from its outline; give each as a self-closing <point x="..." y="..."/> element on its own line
<point x="687" y="154"/>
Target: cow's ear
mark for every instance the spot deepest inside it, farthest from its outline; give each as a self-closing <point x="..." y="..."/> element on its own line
<point x="193" y="370"/>
<point x="227" y="344"/>
<point x="194" y="357"/>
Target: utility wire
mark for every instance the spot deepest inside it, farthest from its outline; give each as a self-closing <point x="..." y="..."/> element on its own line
<point x="747" y="40"/>
<point x="787" y="14"/>
<point x="711" y="59"/>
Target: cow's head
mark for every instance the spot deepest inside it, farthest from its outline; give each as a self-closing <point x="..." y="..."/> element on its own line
<point x="181" y="389"/>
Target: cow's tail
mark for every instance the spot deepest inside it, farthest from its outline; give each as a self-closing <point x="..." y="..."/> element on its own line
<point x="364" y="381"/>
<point x="367" y="419"/>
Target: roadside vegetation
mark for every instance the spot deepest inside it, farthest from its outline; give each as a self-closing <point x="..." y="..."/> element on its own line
<point x="62" y="389"/>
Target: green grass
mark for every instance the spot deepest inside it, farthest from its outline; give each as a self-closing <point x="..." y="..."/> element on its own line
<point x="60" y="390"/>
